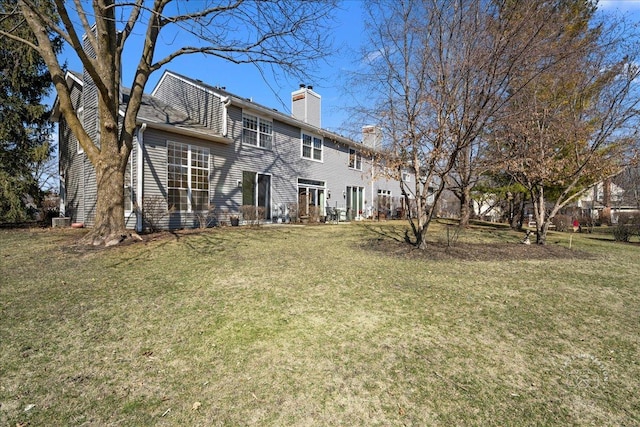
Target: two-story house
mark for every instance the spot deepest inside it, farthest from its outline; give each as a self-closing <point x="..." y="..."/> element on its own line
<point x="199" y="146"/>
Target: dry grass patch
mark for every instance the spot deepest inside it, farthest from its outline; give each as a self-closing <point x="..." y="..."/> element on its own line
<point x="331" y="325"/>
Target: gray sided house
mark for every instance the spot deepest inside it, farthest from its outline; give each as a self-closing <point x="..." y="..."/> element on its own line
<point x="199" y="147"/>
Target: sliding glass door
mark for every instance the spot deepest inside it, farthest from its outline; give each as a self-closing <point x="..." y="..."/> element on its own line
<point x="256" y="191"/>
<point x="355" y="202"/>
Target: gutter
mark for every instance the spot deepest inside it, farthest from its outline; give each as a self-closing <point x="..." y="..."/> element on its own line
<point x="186" y="131"/>
<point x="277" y="115"/>
<point x="139" y="164"/>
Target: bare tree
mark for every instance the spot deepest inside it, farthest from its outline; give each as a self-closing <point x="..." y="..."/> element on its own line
<point x="629" y="181"/>
<point x="278" y="33"/>
<point x="439" y="73"/>
<point x="576" y="123"/>
<point x="465" y="175"/>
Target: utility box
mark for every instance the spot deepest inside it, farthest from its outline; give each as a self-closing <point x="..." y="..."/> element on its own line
<point x="61" y="222"/>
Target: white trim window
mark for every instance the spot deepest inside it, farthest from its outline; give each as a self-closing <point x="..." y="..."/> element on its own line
<point x="406" y="177"/>
<point x="355" y="159"/>
<point x="128" y="187"/>
<point x="384" y="202"/>
<point x="311" y="196"/>
<point x="80" y="114"/>
<point x="256" y="191"/>
<point x="187" y="177"/>
<point x="257" y="131"/>
<point x="311" y="147"/>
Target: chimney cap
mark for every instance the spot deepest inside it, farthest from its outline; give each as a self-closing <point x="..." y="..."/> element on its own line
<point x="310" y="87"/>
<point x="302" y="85"/>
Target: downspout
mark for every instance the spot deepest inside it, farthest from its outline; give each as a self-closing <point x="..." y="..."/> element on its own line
<point x="62" y="176"/>
<point x="373" y="179"/>
<point x="226" y="101"/>
<point x="139" y="163"/>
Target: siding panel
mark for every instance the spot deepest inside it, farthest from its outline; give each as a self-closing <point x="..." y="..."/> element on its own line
<point x="199" y="104"/>
<point x="72" y="164"/>
<point x="284" y="162"/>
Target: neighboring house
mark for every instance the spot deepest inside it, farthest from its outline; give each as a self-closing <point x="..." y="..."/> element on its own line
<point x="487" y="207"/>
<point x="198" y="146"/>
<point x="608" y="199"/>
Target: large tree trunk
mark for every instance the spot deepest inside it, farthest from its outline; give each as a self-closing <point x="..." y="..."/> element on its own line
<point x="541" y="234"/>
<point x="423" y="225"/>
<point x="516" y="214"/>
<point x="465" y="206"/>
<point x="110" y="166"/>
<point x="542" y="222"/>
<point x="420" y="222"/>
<point x="109" y="223"/>
<point x="465" y="177"/>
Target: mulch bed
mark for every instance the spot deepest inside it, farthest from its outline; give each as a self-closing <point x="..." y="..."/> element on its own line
<point x="438" y="251"/>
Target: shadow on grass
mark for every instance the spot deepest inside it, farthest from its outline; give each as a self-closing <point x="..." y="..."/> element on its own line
<point x="390" y="241"/>
<point x="394" y="232"/>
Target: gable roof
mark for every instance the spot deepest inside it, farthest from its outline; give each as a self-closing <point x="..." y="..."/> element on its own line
<point x="155" y="114"/>
<point x="155" y="111"/>
<point x="70" y="77"/>
<point x="160" y="115"/>
<point x="263" y="110"/>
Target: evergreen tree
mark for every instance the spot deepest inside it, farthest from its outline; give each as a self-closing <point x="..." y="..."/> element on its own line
<point x="24" y="127"/>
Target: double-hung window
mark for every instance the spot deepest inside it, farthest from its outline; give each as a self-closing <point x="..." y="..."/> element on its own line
<point x="311" y="147"/>
<point x="187" y="177"/>
<point x="199" y="179"/>
<point x="355" y="159"/>
<point x="257" y="131"/>
<point x="80" y="114"/>
<point x="128" y="186"/>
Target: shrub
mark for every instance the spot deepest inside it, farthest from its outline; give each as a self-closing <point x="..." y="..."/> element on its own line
<point x="629" y="218"/>
<point x="623" y="232"/>
<point x="314" y="213"/>
<point x="208" y="218"/>
<point x="154" y="210"/>
<point x="252" y="215"/>
<point x="587" y="223"/>
<point x="627" y="227"/>
<point x="292" y="215"/>
<point x="562" y="222"/>
<point x="50" y="208"/>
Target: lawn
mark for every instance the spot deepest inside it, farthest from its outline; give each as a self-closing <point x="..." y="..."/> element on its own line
<point x="319" y="325"/>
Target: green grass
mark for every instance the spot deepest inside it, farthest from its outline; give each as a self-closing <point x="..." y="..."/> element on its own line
<point x="316" y="326"/>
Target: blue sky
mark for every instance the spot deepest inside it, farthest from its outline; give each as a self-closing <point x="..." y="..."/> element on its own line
<point x="274" y="91"/>
<point x="623" y="5"/>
